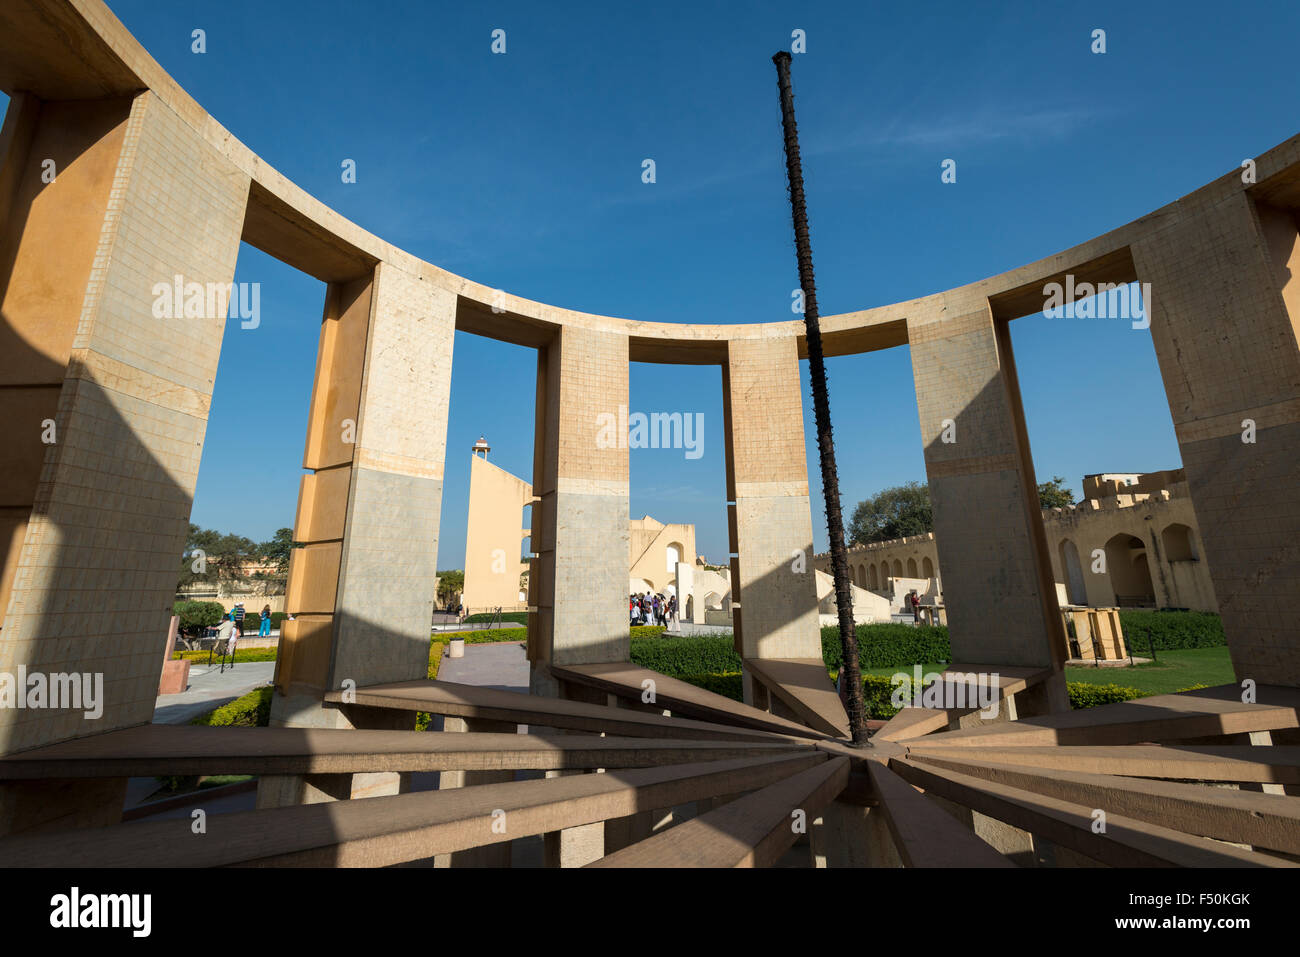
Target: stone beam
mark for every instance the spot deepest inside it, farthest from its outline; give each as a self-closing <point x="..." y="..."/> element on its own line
<point x="1225" y="291"/>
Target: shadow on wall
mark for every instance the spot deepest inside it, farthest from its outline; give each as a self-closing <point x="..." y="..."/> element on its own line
<point x="95" y="523"/>
<point x="985" y="544"/>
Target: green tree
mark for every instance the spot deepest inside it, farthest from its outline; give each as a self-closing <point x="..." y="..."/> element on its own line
<point x="278" y="548"/>
<point x="449" y="583"/>
<point x="892" y="513"/>
<point x="212" y="556"/>
<point x="1054" y="494"/>
<point x="196" y="615"/>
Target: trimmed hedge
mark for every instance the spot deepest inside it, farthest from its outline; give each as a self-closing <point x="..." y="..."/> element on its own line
<point x="252" y="710"/>
<point x="878" y="689"/>
<point x="647" y="631"/>
<point x="484" y="636"/>
<point x="436" y="648"/>
<point x="244" y="654"/>
<point x="1084" y="695"/>
<point x="889" y="645"/>
<point x="1170" y="630"/>
<point x="678" y="657"/>
<point x="728" y="684"/>
<point x="731" y="685"/>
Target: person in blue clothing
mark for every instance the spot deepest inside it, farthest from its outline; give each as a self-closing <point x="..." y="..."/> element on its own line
<point x="264" y="629"/>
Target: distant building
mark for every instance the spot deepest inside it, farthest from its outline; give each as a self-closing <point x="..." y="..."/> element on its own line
<point x="1132" y="542"/>
<point x="495" y="531"/>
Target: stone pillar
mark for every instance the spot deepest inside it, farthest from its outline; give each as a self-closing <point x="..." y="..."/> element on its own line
<point x="578" y="588"/>
<point x="363" y="585"/>
<point x="773" y="592"/>
<point x="685" y="578"/>
<point x="999" y="592"/>
<point x="1225" y="291"/>
<point x="108" y="383"/>
<point x="580" y="516"/>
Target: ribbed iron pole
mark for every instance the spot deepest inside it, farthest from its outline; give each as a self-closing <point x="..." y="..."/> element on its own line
<point x="821" y="408"/>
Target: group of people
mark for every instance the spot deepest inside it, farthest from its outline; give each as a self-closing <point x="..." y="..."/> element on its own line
<point x="647" y="609"/>
<point x="231" y="628"/>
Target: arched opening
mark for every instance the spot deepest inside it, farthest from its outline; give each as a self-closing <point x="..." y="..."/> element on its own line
<point x="853" y="574"/>
<point x="1073" y="571"/>
<point x="873" y="579"/>
<point x="673" y="554"/>
<point x="712" y="601"/>
<point x="911" y="568"/>
<point x="1178" y="544"/>
<point x="927" y="568"/>
<point x="884" y="575"/>
<point x="1130" y="575"/>
<point x="898" y="568"/>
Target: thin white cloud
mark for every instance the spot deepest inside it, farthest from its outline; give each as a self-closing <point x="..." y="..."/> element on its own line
<point x="1001" y="124"/>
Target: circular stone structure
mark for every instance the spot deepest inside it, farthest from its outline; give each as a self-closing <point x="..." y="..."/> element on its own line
<point x="112" y="332"/>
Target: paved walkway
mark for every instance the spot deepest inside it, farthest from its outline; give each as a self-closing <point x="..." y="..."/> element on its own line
<point x="211" y="688"/>
<point x="475" y="626"/>
<point x="498" y="665"/>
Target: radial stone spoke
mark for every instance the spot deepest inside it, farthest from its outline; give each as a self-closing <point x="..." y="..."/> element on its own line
<point x="382" y="831"/>
<point x="494" y="704"/>
<point x="1158" y="718"/>
<point x="752" y="831"/>
<point x="925" y="834"/>
<point x="1244" y="817"/>
<point x="1279" y="764"/>
<point x="1121" y="841"/>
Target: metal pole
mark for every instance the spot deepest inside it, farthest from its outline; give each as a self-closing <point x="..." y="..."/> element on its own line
<point x="821" y="408"/>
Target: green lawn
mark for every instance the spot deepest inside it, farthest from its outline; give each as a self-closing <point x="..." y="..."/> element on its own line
<point x="1171" y="671"/>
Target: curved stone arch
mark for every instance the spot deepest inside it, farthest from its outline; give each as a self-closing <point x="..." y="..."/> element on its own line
<point x="1072" y="570"/>
<point x="673" y="553"/>
<point x="927" y="567"/>
<point x="287" y="223"/>
<point x="912" y="570"/>
<point x="1129" y="570"/>
<point x="1178" y="543"/>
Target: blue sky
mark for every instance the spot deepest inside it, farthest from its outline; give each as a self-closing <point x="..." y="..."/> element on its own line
<point x="523" y="171"/>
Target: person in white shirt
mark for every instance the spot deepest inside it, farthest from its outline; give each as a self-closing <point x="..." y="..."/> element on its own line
<point x="226" y="633"/>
